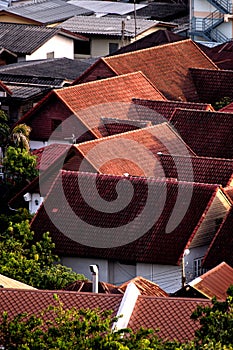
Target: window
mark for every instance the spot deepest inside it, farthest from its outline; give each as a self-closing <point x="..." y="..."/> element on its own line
<point x="198" y="269"/>
<point x="112" y="47"/>
<point x="50" y="54"/>
<point x="56" y="124"/>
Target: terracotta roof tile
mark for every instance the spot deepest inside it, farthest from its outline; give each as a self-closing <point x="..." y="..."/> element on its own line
<point x="153" y="247"/>
<point x="17" y="301"/>
<point x="166" y="66"/>
<point x="206" y="170"/>
<point x="215" y="282"/>
<point x="212" y="85"/>
<point x="52" y="155"/>
<point x="166" y="108"/>
<point x="133" y="152"/>
<point x="102" y="98"/>
<point x="228" y="108"/>
<point x="221" y="55"/>
<point x="221" y="247"/>
<point x="208" y="134"/>
<point x="170" y="315"/>
<point x="145" y="287"/>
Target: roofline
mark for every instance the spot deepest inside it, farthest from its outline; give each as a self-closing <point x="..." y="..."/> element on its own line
<point x="19" y="16"/>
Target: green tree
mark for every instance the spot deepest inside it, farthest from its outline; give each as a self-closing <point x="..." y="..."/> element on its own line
<point x="216" y="323"/>
<point x="57" y="328"/>
<point x="32" y="262"/>
<point x="4" y="128"/>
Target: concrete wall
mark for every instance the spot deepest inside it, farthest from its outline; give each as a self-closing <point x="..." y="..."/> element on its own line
<point x="61" y="46"/>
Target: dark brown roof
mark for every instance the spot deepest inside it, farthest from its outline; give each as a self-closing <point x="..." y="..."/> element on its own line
<point x="154" y="39"/>
<point x="170" y="315"/>
<point x="122" y="226"/>
<point x="221" y="247"/>
<point x="206" y="170"/>
<point x="215" y="282"/>
<point x="208" y="134"/>
<point x="86" y="286"/>
<point x="212" y="85"/>
<point x="221" y="55"/>
<point x="166" y="108"/>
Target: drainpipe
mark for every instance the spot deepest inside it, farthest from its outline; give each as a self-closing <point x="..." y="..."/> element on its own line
<point x="95" y="277"/>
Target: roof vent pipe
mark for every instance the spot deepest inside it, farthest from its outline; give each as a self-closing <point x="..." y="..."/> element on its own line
<point x="95" y="277"/>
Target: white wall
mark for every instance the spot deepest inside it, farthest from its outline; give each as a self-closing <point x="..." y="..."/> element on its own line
<point x="35" y="202"/>
<point x="100" y="47"/>
<point x="168" y="277"/>
<point x="81" y="265"/>
<point x="60" y="45"/>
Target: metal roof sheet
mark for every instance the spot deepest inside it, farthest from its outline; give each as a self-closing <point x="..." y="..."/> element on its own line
<point x="48" y="11"/>
<point x="106" y="7"/>
<point x="106" y="25"/>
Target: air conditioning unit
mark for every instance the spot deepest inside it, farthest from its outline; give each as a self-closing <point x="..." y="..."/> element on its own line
<point x="27" y="197"/>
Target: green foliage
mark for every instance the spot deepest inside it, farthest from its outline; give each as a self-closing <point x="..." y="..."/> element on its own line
<point x="59" y="329"/>
<point x="222" y="103"/>
<point x="4" y="128"/>
<point x="32" y="262"/>
<point x="216" y="324"/>
<point x="20" y="165"/>
<point x="20" y="136"/>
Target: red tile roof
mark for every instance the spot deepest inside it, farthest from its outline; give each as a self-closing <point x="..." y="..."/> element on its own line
<point x="221" y="55"/>
<point x="221" y="247"/>
<point x="133" y="152"/>
<point x="206" y="170"/>
<point x="227" y="109"/>
<point x="145" y="287"/>
<point x="166" y="108"/>
<point x="212" y="85"/>
<point x="215" y="282"/>
<point x="208" y="134"/>
<point x="102" y="98"/>
<point x="33" y="301"/>
<point x="170" y="315"/>
<point x="166" y="66"/>
<point x="52" y="155"/>
<point x="155" y="246"/>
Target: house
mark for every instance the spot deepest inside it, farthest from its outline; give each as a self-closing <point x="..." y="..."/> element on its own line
<point x="160" y="37"/>
<point x="170" y="315"/>
<point x="82" y="107"/>
<point x="205" y="169"/>
<point x="221" y="55"/>
<point x="43" y="12"/>
<point x="129" y="225"/>
<point x="221" y="246"/>
<point x="133" y="152"/>
<point x="30" y="81"/>
<point x="33" y="42"/>
<point x="213" y="283"/>
<point x="199" y="128"/>
<point x="166" y="66"/>
<point x="211" y="20"/>
<point x="166" y="108"/>
<point x="107" y="34"/>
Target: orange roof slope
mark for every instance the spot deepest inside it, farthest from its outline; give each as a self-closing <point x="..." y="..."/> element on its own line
<point x="145" y="287"/>
<point x="133" y="152"/>
<point x="166" y="66"/>
<point x="215" y="282"/>
<point x="102" y="98"/>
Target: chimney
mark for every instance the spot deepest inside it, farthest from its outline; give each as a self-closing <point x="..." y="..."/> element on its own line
<point x="95" y="277"/>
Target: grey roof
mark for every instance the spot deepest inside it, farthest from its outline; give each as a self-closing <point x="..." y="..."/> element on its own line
<point x="25" y="39"/>
<point x="30" y="80"/>
<point x="62" y="68"/>
<point x="48" y="11"/>
<point x="107" y="7"/>
<point x="25" y="92"/>
<point x="109" y="26"/>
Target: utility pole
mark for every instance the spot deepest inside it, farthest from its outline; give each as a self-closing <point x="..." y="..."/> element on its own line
<point x="123" y="33"/>
<point x="135" y="19"/>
